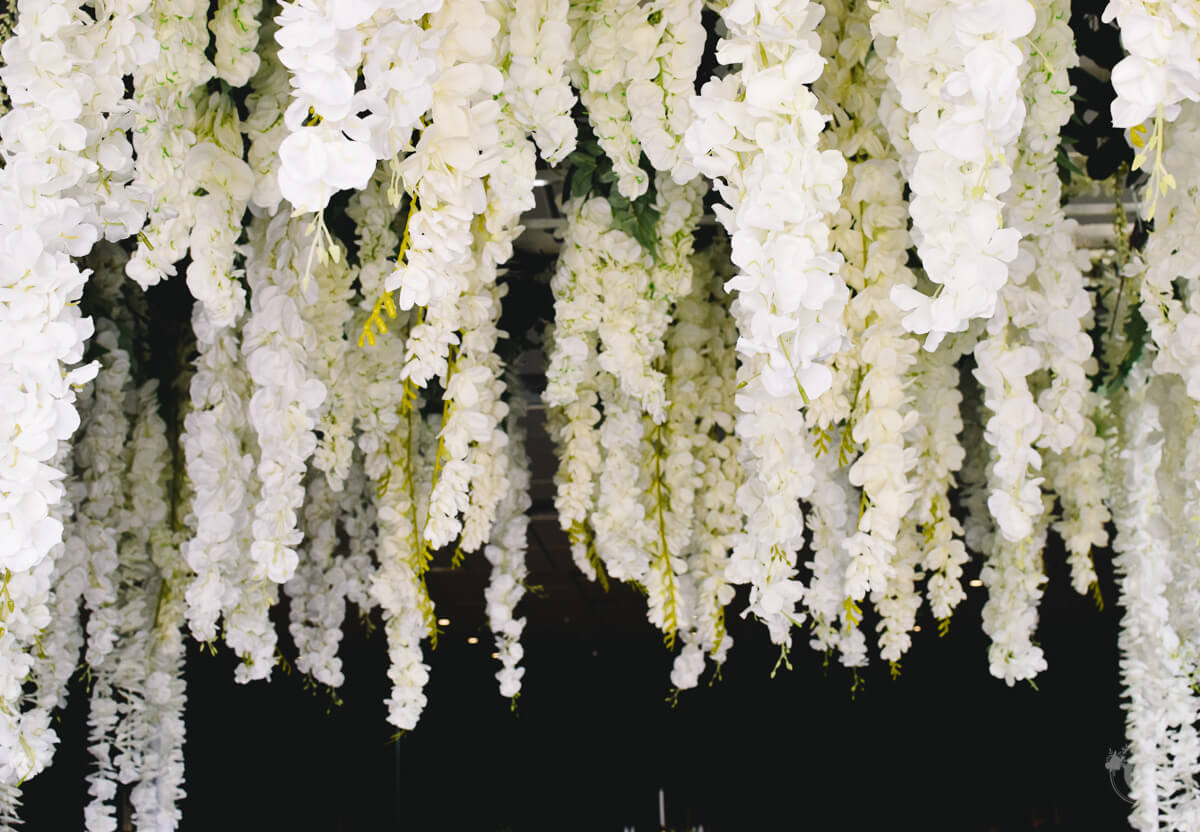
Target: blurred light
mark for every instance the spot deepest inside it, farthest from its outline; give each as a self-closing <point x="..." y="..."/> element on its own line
<point x="472" y="640"/>
<point x="443" y="622"/>
<point x="976" y="582"/>
<point x="495" y="655"/>
<point x="917" y="628"/>
<point x="539" y="183"/>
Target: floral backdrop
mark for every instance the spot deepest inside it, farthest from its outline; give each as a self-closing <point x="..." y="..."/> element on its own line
<point x="886" y="357"/>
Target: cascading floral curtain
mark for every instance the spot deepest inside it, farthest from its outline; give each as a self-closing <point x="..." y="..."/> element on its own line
<point x="820" y="328"/>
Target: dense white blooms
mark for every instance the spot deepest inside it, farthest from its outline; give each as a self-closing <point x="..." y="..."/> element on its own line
<point x="702" y="339"/>
<point x="1171" y="259"/>
<point x="757" y="136"/>
<point x="573" y="376"/>
<point x="264" y="126"/>
<point x="219" y="453"/>
<point x="506" y="554"/>
<point x="1156" y="668"/>
<point x="445" y="176"/>
<point x="940" y="454"/>
<point x="398" y="586"/>
<point x="536" y="89"/>
<point x="317" y="590"/>
<point x="277" y="341"/>
<point x="956" y="114"/>
<point x="613" y="43"/>
<point x="510" y="194"/>
<point x="169" y="88"/>
<point x="1162" y="68"/>
<point x="235" y="32"/>
<point x="659" y="97"/>
<point x="43" y="224"/>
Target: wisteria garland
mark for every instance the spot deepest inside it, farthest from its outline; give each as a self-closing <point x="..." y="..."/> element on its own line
<point x="956" y="119"/>
<point x="699" y="436"/>
<point x="777" y="208"/>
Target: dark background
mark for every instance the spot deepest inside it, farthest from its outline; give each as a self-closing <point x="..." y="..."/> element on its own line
<point x="944" y="746"/>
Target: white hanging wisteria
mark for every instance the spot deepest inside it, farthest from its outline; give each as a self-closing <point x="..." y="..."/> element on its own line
<point x="790" y="298"/>
<point x="890" y="373"/>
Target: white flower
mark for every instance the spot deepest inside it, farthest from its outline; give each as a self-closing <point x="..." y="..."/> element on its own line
<point x="1160" y="70"/>
<point x="286" y="395"/>
<point x="965" y="113"/>
<point x="779" y="194"/>
<point x="506" y="554"/>
<point x="535" y="87"/>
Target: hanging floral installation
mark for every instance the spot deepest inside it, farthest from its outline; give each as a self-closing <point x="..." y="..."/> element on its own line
<point x="821" y="329"/>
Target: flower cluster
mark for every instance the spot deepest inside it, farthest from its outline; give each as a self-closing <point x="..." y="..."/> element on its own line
<point x="1161" y="70"/>
<point x="613" y="42"/>
<point x="506" y="554"/>
<point x="169" y="88"/>
<point x="1170" y="256"/>
<point x="321" y="44"/>
<point x="659" y="97"/>
<point x="956" y="69"/>
<point x="1156" y="670"/>
<point x="445" y="178"/>
<point x="43" y="225"/>
<point x="535" y="85"/>
<point x="757" y="135"/>
<point x="573" y="372"/>
<point x="702" y="415"/>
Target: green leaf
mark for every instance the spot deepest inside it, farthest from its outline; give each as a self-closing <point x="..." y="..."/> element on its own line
<point x="645" y="229"/>
<point x="581" y="182"/>
<point x="1064" y="161"/>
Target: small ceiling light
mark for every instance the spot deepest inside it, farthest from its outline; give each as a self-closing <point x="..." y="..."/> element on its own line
<point x="917" y="628"/>
<point x="443" y="622"/>
<point x="495" y="655"/>
<point x="976" y="582"/>
<point x="472" y="640"/>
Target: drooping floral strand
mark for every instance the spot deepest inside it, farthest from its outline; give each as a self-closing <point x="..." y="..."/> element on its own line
<point x="1153" y="83"/>
<point x="220" y="185"/>
<point x="169" y="90"/>
<point x="398" y="586"/>
<point x="789" y="327"/>
<point x="704" y="332"/>
<point x="934" y="436"/>
<point x="158" y="792"/>
<point x="612" y="42"/>
<point x="316" y="592"/>
<point x="27" y="603"/>
<point x="1158" y="697"/>
<point x="219" y="449"/>
<point x="872" y="376"/>
<point x="42" y="228"/>
<point x="264" y="127"/>
<point x="536" y="88"/>
<point x="104" y="455"/>
<point x="955" y="116"/>
<point x="659" y="95"/>
<point x="445" y="177"/>
<point x="667" y="452"/>
<point x="1170" y="257"/>
<point x="235" y="28"/>
<point x="510" y="194"/>
<point x="506" y="553"/>
<point x="321" y="44"/>
<point x="573" y="375"/>
<point x="277" y="339"/>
